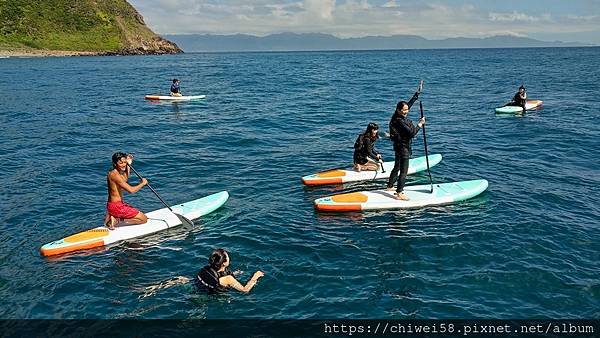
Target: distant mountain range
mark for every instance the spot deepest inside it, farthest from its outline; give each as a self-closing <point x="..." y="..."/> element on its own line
<point x="317" y="41"/>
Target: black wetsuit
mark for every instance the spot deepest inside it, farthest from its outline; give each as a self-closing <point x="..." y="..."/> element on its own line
<point x="207" y="280"/>
<point x="402" y="131"/>
<point x="518" y="101"/>
<point x="364" y="147"/>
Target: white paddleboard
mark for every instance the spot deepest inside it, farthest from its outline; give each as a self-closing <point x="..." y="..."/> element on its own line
<point x="158" y="220"/>
<point x="529" y="105"/>
<point x="419" y="196"/>
<point x="173" y="98"/>
<point x="339" y="176"/>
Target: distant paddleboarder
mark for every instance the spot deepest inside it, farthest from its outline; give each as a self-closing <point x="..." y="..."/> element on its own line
<point x="117" y="182"/>
<point x="402" y="131"/>
<point x="365" y="155"/>
<point x="175" y="90"/>
<point x="520" y="99"/>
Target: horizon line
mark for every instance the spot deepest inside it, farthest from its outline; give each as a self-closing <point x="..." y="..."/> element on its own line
<point x="373" y="50"/>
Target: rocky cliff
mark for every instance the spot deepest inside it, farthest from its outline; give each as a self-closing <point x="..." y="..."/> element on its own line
<point x="82" y="27"/>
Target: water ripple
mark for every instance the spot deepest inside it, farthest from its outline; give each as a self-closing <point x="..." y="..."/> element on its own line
<point x="525" y="248"/>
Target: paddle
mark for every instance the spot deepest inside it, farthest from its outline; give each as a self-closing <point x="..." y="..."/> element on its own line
<point x="425" y="143"/>
<point x="186" y="222"/>
<point x="377" y="171"/>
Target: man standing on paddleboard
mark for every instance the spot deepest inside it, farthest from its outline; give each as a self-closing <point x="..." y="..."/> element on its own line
<point x="117" y="182"/>
<point x="402" y="132"/>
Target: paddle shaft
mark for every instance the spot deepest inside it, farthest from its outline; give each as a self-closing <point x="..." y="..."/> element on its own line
<point x="154" y="191"/>
<point x="184" y="221"/>
<point x="425" y="144"/>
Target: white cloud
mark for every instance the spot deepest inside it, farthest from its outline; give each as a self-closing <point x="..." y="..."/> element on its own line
<point x="356" y="5"/>
<point x="516" y="16"/>
<point x="390" y="4"/>
<point x="583" y="17"/>
<point x="320" y="8"/>
<point x="284" y="10"/>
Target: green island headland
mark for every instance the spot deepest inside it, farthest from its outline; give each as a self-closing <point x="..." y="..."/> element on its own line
<point x="73" y="28"/>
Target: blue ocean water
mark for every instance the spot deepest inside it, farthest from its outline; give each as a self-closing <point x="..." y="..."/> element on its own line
<point x="526" y="248"/>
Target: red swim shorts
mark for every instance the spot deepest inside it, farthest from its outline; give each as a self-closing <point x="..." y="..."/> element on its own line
<point x="121" y="210"/>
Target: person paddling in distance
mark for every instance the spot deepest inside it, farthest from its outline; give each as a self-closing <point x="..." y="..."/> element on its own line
<point x="216" y="277"/>
<point x="117" y="182"/>
<point x="402" y="131"/>
<point x="520" y="99"/>
<point x="175" y="90"/>
<point x="365" y="155"/>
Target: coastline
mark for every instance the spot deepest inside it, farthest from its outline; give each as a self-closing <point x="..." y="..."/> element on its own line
<point x="23" y="52"/>
<point x="27" y="52"/>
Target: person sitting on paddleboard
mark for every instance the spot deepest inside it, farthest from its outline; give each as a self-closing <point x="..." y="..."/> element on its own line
<point x="520" y="99"/>
<point x="117" y="182"/>
<point x="216" y="277"/>
<point x="365" y="155"/>
<point x="175" y="91"/>
<point x="402" y="131"/>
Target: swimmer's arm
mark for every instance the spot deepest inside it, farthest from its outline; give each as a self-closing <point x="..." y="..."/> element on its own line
<point x="230" y="281"/>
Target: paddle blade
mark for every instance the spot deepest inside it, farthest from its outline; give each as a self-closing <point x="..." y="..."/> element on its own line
<point x="186" y="222"/>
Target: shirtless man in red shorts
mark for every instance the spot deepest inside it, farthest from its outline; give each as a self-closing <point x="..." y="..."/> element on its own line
<point x="117" y="182"/>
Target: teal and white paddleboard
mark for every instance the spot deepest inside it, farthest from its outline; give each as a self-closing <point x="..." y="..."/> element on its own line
<point x="158" y="220"/>
<point x="174" y="98"/>
<point x="339" y="176"/>
<point x="419" y="196"/>
<point x="531" y="104"/>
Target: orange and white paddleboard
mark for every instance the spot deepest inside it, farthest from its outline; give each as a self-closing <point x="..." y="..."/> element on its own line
<point x="157" y="220"/>
<point x="338" y="176"/>
<point x="419" y="196"/>
<point x="173" y="98"/>
<point x="529" y="105"/>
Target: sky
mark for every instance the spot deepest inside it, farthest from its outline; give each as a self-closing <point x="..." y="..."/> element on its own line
<point x="547" y="20"/>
